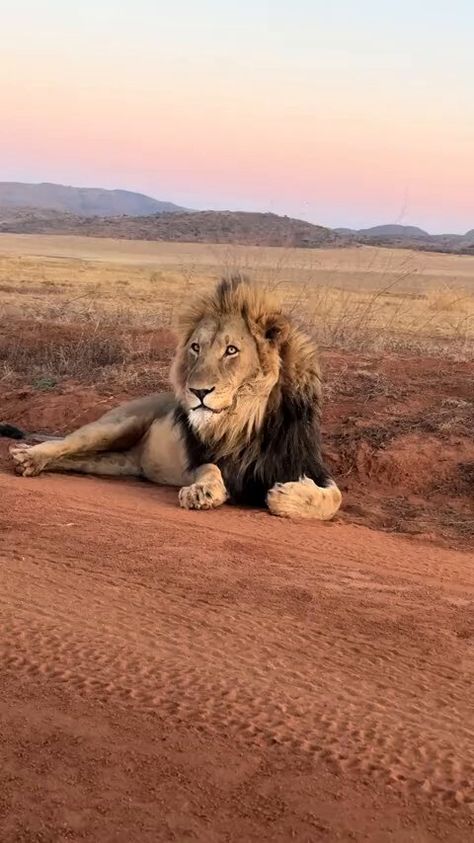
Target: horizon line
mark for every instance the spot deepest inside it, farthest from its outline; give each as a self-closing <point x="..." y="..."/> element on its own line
<point x="348" y="228"/>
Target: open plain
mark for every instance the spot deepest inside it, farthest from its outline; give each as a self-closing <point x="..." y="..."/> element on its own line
<point x="171" y="675"/>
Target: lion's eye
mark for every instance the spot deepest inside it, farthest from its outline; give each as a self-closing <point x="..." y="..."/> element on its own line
<point x="231" y="350"/>
<point x="195" y="347"/>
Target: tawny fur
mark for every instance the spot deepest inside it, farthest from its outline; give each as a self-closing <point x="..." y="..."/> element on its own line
<point x="293" y="360"/>
<point x="277" y="363"/>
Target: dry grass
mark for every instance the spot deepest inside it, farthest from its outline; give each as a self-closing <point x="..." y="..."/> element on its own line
<point x="75" y="307"/>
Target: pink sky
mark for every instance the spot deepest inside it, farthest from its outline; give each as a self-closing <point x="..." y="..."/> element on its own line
<point x="343" y="127"/>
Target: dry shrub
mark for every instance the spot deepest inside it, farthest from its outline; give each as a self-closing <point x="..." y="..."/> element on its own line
<point x="383" y="304"/>
<point x="447" y="299"/>
<point x="109" y="322"/>
<point x="82" y="350"/>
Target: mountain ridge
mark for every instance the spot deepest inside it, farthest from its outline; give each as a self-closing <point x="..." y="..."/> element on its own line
<point x="238" y="227"/>
<point x="85" y="201"/>
<point x="60" y="209"/>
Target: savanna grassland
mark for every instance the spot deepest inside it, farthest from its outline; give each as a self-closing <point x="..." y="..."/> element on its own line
<point x="93" y="318"/>
<point x="173" y="675"/>
<point x="107" y="292"/>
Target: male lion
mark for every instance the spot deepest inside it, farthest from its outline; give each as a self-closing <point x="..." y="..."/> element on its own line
<point x="242" y="424"/>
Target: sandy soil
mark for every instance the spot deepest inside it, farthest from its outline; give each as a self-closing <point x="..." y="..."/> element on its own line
<point x="397" y="431"/>
<point x="170" y="675"/>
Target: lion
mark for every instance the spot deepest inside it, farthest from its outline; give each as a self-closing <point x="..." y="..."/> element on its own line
<point x="241" y="425"/>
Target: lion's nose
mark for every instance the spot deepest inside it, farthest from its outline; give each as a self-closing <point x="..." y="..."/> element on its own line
<point x="201" y="393"/>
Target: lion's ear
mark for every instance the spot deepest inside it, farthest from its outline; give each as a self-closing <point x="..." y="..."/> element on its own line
<point x="275" y="328"/>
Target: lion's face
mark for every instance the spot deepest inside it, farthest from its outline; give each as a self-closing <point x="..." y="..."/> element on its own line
<point x="225" y="369"/>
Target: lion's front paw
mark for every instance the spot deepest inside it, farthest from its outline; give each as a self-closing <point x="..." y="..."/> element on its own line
<point x="202" y="496"/>
<point x="304" y="499"/>
<point x="27" y="462"/>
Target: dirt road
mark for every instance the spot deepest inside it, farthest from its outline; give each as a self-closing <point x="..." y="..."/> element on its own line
<point x="170" y="675"/>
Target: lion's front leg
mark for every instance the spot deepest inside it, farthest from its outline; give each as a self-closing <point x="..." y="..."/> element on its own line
<point x="207" y="491"/>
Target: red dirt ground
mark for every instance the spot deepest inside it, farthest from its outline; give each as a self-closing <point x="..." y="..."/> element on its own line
<point x="226" y="676"/>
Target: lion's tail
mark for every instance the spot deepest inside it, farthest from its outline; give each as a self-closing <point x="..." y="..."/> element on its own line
<point x="10" y="431"/>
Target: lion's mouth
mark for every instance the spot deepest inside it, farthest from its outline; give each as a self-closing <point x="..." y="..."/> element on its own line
<point x="208" y="409"/>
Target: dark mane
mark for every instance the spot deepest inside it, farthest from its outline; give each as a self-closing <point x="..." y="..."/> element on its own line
<point x="286" y="448"/>
<point x="285" y="445"/>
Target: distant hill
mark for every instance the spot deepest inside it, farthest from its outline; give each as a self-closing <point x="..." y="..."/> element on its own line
<point x="399" y="231"/>
<point x="409" y="237"/>
<point x="345" y="231"/>
<point x="409" y="231"/>
<point x="85" y="201"/>
<point x="239" y="227"/>
<point x="169" y="222"/>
